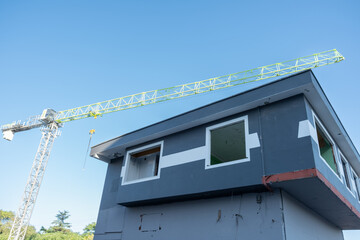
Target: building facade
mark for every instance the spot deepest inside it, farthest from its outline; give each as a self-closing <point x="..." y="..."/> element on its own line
<point x="273" y="162"/>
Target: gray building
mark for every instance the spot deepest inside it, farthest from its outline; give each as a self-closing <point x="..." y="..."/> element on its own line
<point x="273" y="162"/>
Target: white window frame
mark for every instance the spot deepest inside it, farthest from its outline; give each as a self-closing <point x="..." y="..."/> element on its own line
<point x="223" y="124"/>
<point x="348" y="171"/>
<point x="140" y="149"/>
<point x="335" y="149"/>
<point x="355" y="190"/>
<point x="358" y="183"/>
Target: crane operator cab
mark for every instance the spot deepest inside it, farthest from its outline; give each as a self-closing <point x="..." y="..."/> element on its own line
<point x="48" y="115"/>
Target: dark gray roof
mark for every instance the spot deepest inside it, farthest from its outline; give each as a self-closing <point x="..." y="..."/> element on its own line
<point x="300" y="83"/>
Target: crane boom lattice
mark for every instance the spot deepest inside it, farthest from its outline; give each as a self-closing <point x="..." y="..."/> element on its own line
<point x="184" y="90"/>
<point x="165" y="94"/>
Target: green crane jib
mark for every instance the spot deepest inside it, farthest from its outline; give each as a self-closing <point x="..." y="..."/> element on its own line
<point x="50" y="120"/>
<point x="188" y="89"/>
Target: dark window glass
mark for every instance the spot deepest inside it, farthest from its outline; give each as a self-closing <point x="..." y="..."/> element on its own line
<point x="228" y="143"/>
<point x="326" y="149"/>
<point x="347" y="181"/>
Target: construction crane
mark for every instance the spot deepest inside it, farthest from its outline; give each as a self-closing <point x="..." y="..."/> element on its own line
<point x="50" y="121"/>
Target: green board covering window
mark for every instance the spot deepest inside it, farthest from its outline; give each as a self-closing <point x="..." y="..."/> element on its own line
<point x="326" y="149"/>
<point x="228" y="143"/>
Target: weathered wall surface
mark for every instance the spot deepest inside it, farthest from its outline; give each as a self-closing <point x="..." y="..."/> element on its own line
<point x="303" y="223"/>
<point x="111" y="215"/>
<point x="283" y="150"/>
<point x="248" y="216"/>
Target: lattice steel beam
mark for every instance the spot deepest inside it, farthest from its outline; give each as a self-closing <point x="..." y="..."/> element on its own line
<point x="165" y="94"/>
<point x="23" y="215"/>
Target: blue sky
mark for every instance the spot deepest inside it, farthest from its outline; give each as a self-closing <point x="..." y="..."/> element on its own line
<point x="64" y="54"/>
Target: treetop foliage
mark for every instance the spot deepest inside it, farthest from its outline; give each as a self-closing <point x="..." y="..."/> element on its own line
<point x="60" y="229"/>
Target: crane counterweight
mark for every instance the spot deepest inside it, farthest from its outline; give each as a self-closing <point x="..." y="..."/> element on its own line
<point x="8" y="135"/>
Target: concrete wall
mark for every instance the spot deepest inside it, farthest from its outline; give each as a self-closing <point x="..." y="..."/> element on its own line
<point x="303" y="223"/>
<point x="111" y="215"/>
<point x="248" y="216"/>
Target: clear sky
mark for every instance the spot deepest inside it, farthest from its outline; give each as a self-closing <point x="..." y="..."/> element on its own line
<point x="64" y="54"/>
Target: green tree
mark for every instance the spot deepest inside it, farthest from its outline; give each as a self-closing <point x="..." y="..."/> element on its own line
<point x="30" y="232"/>
<point x="59" y="231"/>
<point x="59" y="224"/>
<point x="6" y="216"/>
<point x="58" y="236"/>
<point x="42" y="230"/>
<point x="89" y="231"/>
<point x="6" y="221"/>
<point x="90" y="228"/>
<point x="60" y="220"/>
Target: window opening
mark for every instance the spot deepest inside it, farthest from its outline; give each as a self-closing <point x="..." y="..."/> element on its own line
<point x="356" y="185"/>
<point x="228" y="143"/>
<point x="143" y="164"/>
<point x="344" y="165"/>
<point x="326" y="149"/>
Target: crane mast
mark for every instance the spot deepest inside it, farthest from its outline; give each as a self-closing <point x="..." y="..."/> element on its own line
<point x="23" y="215"/>
<point x="50" y="121"/>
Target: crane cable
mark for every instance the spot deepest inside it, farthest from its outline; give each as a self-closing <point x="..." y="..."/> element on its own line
<point x="91" y="132"/>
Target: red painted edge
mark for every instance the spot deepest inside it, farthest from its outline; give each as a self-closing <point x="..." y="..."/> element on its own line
<point x="337" y="193"/>
<point x="307" y="173"/>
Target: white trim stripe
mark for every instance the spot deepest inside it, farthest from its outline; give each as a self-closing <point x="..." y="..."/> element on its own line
<point x="307" y="129"/>
<point x="195" y="154"/>
<point x="187" y="156"/>
<point x="253" y="140"/>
